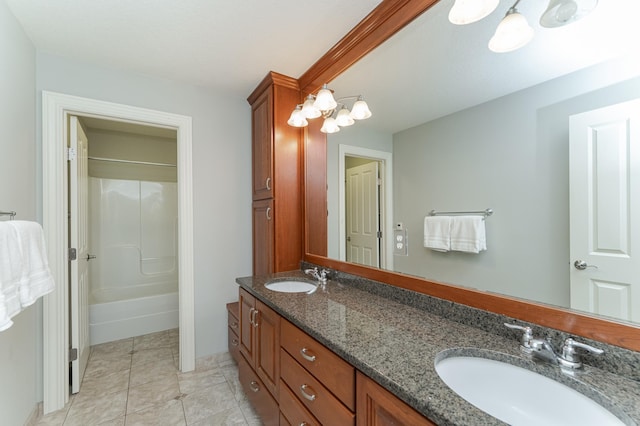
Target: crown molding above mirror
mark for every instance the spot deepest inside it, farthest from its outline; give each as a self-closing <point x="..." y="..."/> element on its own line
<point x="382" y="23"/>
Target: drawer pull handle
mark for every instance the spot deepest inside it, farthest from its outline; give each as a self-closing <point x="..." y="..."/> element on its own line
<point x="305" y="354"/>
<point x="234" y="342"/>
<point x="251" y="311"/>
<point x="303" y="390"/>
<point x="255" y="317"/>
<point x="254" y="386"/>
<point x="304" y="424"/>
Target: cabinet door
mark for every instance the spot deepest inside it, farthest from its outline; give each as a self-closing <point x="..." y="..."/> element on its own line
<point x="268" y="347"/>
<point x="263" y="403"/>
<point x="262" y="153"/>
<point x="247" y="335"/>
<point x="377" y="406"/>
<point x="263" y="237"/>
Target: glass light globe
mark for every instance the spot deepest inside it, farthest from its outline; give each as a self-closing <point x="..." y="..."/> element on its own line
<point x="309" y="110"/>
<point x="324" y="100"/>
<point x="360" y="110"/>
<point x="512" y="33"/>
<point x="344" y="118"/>
<point x="468" y="11"/>
<point x="297" y="118"/>
<point x="330" y="126"/>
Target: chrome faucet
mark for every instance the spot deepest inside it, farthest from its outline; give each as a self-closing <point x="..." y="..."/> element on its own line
<point x="542" y="349"/>
<point x="321" y="275"/>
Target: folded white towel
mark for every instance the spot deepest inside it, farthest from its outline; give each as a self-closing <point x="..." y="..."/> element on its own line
<point x="468" y="234"/>
<point x="36" y="279"/>
<point x="10" y="274"/>
<point x="437" y="231"/>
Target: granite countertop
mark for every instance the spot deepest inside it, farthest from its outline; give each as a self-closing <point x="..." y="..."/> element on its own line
<point x="397" y="345"/>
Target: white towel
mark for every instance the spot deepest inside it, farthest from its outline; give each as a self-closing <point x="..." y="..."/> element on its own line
<point x="10" y="274"/>
<point x="36" y="279"/>
<point x="437" y="231"/>
<point x="468" y="234"/>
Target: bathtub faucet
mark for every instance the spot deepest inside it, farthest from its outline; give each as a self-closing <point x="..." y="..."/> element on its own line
<point x="318" y="275"/>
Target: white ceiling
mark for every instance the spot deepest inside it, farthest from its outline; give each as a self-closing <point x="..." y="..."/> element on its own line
<point x="226" y="45"/>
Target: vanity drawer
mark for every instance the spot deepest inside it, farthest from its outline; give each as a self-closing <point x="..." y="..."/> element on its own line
<point x="334" y="373"/>
<point x="322" y="404"/>
<point x="233" y="344"/>
<point x="292" y="409"/>
<point x="232" y="317"/>
<point x="261" y="400"/>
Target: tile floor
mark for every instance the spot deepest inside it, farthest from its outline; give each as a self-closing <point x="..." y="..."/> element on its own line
<point x="136" y="382"/>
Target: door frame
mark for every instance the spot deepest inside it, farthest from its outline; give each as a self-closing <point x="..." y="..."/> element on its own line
<point x="386" y="202"/>
<point x="55" y="109"/>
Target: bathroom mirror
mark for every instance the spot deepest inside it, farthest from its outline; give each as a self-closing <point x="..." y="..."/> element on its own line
<point x="522" y="176"/>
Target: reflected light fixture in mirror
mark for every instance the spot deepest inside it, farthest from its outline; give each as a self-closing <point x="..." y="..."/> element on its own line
<point x="325" y="105"/>
<point x="514" y="32"/>
<point x="467" y="11"/>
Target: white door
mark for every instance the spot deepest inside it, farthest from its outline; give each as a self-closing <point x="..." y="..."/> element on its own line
<point x="362" y="213"/>
<point x="605" y="211"/>
<point x="79" y="229"/>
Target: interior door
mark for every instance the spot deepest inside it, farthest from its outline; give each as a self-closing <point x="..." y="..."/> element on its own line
<point x="79" y="268"/>
<point x="363" y="214"/>
<point x="605" y="207"/>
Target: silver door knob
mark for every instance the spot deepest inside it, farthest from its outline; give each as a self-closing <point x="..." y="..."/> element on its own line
<point x="581" y="265"/>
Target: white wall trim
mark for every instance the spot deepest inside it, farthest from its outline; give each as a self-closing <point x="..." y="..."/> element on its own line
<point x="55" y="109"/>
<point x="387" y="159"/>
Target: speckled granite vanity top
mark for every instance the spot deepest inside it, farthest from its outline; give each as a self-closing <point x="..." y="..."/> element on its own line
<point x="397" y="345"/>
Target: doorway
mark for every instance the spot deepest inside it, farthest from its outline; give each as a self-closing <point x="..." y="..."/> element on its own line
<point x="353" y="155"/>
<point x="56" y="110"/>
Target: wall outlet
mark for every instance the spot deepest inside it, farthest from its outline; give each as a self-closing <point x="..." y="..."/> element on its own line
<point x="400" y="243"/>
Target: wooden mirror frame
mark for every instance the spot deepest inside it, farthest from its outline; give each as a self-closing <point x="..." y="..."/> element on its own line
<point x="384" y="21"/>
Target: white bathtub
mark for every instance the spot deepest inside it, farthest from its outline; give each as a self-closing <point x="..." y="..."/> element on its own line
<point x="119" y="313"/>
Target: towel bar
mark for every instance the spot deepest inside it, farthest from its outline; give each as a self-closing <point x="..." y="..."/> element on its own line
<point x="12" y="214"/>
<point x="485" y="213"/>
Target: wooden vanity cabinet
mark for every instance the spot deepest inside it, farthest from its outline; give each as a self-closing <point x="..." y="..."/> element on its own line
<point x="233" y="330"/>
<point x="261" y="400"/>
<point x="277" y="176"/>
<point x="317" y="386"/>
<point x="376" y="406"/>
<point x="260" y="340"/>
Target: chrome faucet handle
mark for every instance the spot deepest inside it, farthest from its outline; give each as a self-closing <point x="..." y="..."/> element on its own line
<point x="324" y="274"/>
<point x="570" y="357"/>
<point x="527" y="336"/>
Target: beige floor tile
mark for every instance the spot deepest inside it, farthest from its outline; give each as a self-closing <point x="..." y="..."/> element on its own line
<point x="196" y="380"/>
<point x="161" y="339"/>
<point x="152" y="371"/>
<point x="230" y="417"/>
<point x="142" y="356"/>
<point x="93" y="410"/>
<point x="170" y="413"/>
<point x="249" y="414"/>
<point x="107" y="383"/>
<point x="208" y="402"/>
<point x="152" y="393"/>
<point x="114" y="422"/>
<point x="104" y="366"/>
<point x="56" y="418"/>
<point x="112" y="349"/>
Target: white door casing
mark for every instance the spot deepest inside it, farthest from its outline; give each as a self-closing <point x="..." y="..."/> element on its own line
<point x="56" y="108"/>
<point x="385" y="160"/>
<point x="363" y="214"/>
<point x="79" y="231"/>
<point x="604" y="211"/>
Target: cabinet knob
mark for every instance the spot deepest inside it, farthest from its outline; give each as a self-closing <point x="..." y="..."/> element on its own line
<point x="254" y="386"/>
<point x="234" y="342"/>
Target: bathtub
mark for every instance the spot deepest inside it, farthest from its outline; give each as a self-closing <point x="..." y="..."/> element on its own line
<point x="120" y="313"/>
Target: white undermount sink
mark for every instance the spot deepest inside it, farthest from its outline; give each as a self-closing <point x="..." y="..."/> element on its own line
<point x="518" y="396"/>
<point x="292" y="286"/>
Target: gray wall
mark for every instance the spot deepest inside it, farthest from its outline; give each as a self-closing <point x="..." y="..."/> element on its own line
<point x="20" y="345"/>
<point x="512" y="155"/>
<point x="221" y="174"/>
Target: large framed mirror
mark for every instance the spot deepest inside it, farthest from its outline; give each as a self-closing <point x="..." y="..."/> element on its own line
<point x="498" y="137"/>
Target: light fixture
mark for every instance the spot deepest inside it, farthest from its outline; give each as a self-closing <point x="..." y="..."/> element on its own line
<point x="468" y="11"/>
<point x="563" y="12"/>
<point x="512" y="33"/>
<point x="325" y="105"/>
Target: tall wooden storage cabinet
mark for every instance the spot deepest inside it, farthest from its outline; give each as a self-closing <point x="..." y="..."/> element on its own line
<point x="277" y="176"/>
